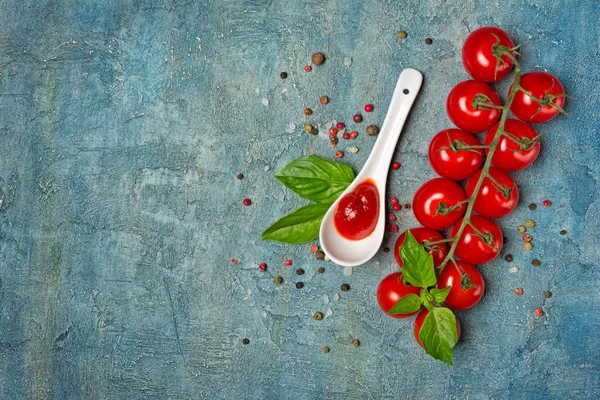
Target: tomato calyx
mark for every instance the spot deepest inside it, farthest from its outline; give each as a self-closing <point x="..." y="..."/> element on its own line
<point x="483" y="102"/>
<point x="487" y="238"/>
<point x="504" y="190"/>
<point x="499" y="50"/>
<point x="459" y="145"/>
<point x="445" y="209"/>
<point x="548" y="100"/>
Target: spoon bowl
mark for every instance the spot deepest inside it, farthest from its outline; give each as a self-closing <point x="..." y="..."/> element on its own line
<point x="347" y="252"/>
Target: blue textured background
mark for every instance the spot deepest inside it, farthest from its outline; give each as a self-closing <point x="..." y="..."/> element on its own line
<point x="123" y="125"/>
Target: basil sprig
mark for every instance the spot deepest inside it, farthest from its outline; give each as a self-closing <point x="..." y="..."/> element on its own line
<point x="316" y="179"/>
<point x="438" y="332"/>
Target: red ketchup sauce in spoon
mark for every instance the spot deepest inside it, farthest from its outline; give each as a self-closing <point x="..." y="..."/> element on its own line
<point x="357" y="212"/>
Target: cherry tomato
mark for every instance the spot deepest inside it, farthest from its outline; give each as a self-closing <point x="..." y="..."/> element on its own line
<point x="436" y="203"/>
<point x="391" y="289"/>
<point x="543" y="87"/>
<point x="466" y="284"/>
<point x="484" y="54"/>
<point x="494" y="201"/>
<point x="423" y="235"/>
<point x="473" y="248"/>
<point x="512" y="156"/>
<point x="465" y="109"/>
<point x="419" y="322"/>
<point x="447" y="157"/>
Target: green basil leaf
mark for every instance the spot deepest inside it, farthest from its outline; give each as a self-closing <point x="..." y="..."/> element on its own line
<point x="407" y="304"/>
<point x="438" y="334"/>
<point x="316" y="179"/>
<point x="299" y="226"/>
<point x="440" y="295"/>
<point x="418" y="264"/>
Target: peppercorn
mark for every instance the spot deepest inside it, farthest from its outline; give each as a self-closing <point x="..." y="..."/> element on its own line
<point x="357" y="118"/>
<point x="300" y="271"/>
<point x="299" y="285"/>
<point x="386" y="249"/>
<point x="333" y="131"/>
<point x="407" y="206"/>
<point x="353" y="135"/>
<point x="527" y="237"/>
<point x="368" y="107"/>
<point x="333" y="141"/>
<point x="530" y="223"/>
<point x="396" y="207"/>
<point x="325" y="349"/>
<point x="345" y="287"/>
<point x="340" y="125"/>
<point x="318" y="316"/>
<point x="536" y="263"/>
<point x="247" y="202"/>
<point x="324" y="99"/>
<point x="402" y="35"/>
<point x="240" y="176"/>
<point x="532" y="206"/>
<point x="521" y="228"/>
<point x="283" y="75"/>
<point x="318" y="58"/>
<point x="547" y="294"/>
<point x="391" y="217"/>
<point x="527" y="246"/>
<point x="320" y="255"/>
<point x="321" y="270"/>
<point x="428" y="41"/>
<point x="346" y="136"/>
<point x="508" y="258"/>
<point x="395" y="228"/>
<point x="278" y="280"/>
<point x="314" y="248"/>
<point x="539" y="312"/>
<point x="355" y="343"/>
<point x="394" y="200"/>
<point x="310" y="129"/>
<point x="288" y="262"/>
<point x="262" y="267"/>
<point x="245" y="341"/>
<point x="563" y="232"/>
<point x="519" y="291"/>
<point x="307" y="111"/>
<point x="307" y="68"/>
<point x="395" y="165"/>
<point x="547" y="203"/>
<point x="372" y="130"/>
<point x="339" y="154"/>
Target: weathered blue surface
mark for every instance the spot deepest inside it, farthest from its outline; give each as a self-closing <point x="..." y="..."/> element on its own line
<point x="123" y="125"/>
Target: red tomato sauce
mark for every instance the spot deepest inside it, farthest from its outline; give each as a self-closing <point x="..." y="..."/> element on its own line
<point x="357" y="212"/>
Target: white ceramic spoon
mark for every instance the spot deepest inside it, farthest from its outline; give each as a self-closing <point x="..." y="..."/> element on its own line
<point x="355" y="252"/>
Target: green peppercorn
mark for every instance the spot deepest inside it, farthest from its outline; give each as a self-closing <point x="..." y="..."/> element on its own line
<point x="527" y="245"/>
<point x="278" y="280"/>
<point x="372" y="130"/>
<point x="325" y="349"/>
<point x="547" y="294"/>
<point x="318" y="58"/>
<point x="402" y="35"/>
<point x="355" y="343"/>
<point x="345" y="287"/>
<point x="521" y="228"/>
<point x="530" y="223"/>
<point x="318" y="316"/>
<point x="532" y="206"/>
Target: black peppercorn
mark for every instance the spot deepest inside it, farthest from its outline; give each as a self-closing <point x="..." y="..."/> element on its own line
<point x="508" y="257"/>
<point x="536" y="262"/>
<point x="299" y="285"/>
<point x="563" y="232"/>
<point x="240" y="176"/>
<point x="300" y="271"/>
<point x="283" y="75"/>
<point x="345" y="287"/>
<point x="321" y="270"/>
<point x="386" y="249"/>
<point x="355" y="343"/>
<point x="547" y="294"/>
<point x="532" y="206"/>
<point x="320" y="255"/>
<point x="245" y="341"/>
<point x="428" y="41"/>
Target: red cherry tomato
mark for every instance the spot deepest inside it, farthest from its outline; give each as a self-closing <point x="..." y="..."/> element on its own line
<point x="484" y="54"/>
<point x="423" y="235"/>
<point x="473" y="248"/>
<point x="390" y="290"/>
<point x="512" y="156"/>
<point x="465" y="109"/>
<point x="419" y="322"/>
<point x="544" y="87"/>
<point x="466" y="284"/>
<point x="447" y="157"/>
<point x="494" y="201"/>
<point x="436" y="203"/>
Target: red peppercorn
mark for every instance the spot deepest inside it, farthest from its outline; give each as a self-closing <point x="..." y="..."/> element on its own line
<point x="395" y="228"/>
<point x="369" y="107"/>
<point x="394" y="200"/>
<point x="396" y="207"/>
<point x="289" y="263"/>
<point x="307" y="68"/>
<point x="262" y="267"/>
<point x="547" y="203"/>
<point x="395" y="165"/>
<point x="234" y="261"/>
<point x="247" y="202"/>
<point x="339" y="154"/>
<point x="353" y="135"/>
<point x="391" y="217"/>
<point x="357" y="118"/>
<point x="340" y="125"/>
<point x="539" y="312"/>
<point x="333" y="131"/>
<point x="346" y="136"/>
<point x="519" y="291"/>
<point x="388" y="227"/>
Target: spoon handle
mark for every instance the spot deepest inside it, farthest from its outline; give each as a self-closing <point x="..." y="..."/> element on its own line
<point x="405" y="94"/>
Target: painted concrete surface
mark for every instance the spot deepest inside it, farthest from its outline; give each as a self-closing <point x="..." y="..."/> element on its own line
<point x="123" y="127"/>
